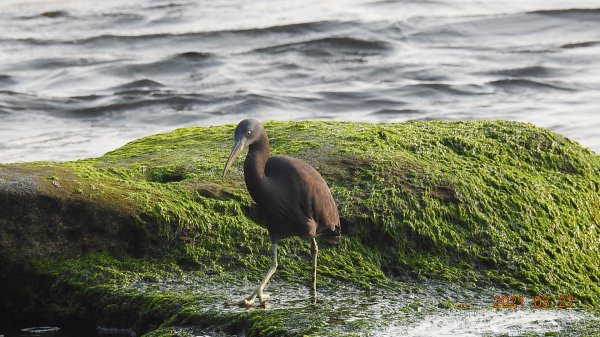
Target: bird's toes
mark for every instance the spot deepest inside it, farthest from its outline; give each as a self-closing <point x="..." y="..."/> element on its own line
<point x="246" y="303"/>
<point x="262" y="299"/>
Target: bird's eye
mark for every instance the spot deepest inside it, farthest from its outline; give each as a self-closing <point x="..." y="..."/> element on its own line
<point x="248" y="133"/>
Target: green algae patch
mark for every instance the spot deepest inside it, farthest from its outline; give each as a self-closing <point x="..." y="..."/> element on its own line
<point x="480" y="204"/>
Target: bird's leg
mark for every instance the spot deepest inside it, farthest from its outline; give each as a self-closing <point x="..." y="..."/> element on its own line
<point x="315" y="252"/>
<point x="261" y="297"/>
<point x="259" y="291"/>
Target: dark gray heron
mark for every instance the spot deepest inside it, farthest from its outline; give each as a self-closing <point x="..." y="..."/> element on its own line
<point x="291" y="195"/>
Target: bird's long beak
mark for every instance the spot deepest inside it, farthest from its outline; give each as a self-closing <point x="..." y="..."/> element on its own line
<point x="237" y="149"/>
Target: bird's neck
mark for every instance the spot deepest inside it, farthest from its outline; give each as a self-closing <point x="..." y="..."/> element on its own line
<point x="254" y="166"/>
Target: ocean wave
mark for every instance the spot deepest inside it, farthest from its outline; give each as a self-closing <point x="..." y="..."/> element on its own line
<point x="60" y="63"/>
<point x="250" y="103"/>
<point x="103" y="39"/>
<point x="192" y="56"/>
<point x="6" y="80"/>
<point x="571" y="13"/>
<point x="175" y="64"/>
<point x="584" y="44"/>
<point x="424" y="89"/>
<point x="140" y="84"/>
<point x="49" y="14"/>
<point x="521" y="83"/>
<point x="532" y="71"/>
<point x="295" y="28"/>
<point x="330" y="46"/>
<point x="394" y="112"/>
<point x="178" y="102"/>
<point x="136" y="105"/>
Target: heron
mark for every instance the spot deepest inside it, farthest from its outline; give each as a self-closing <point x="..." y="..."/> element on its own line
<point x="291" y="195"/>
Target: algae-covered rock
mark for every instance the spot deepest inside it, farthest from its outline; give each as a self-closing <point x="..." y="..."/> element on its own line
<point x="150" y="234"/>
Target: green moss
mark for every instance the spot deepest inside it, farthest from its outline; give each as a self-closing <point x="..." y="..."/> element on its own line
<point x="477" y="203"/>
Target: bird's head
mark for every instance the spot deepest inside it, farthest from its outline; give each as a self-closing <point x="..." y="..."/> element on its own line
<point x="247" y="132"/>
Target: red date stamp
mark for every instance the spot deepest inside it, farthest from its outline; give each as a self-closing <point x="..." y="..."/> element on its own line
<point x="539" y="302"/>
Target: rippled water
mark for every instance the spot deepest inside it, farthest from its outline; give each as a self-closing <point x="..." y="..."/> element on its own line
<point x="79" y="78"/>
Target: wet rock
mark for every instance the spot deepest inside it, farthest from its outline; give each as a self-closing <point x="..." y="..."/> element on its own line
<point x="150" y="235"/>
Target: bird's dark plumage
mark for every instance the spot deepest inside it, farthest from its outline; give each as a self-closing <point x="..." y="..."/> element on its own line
<point x="300" y="204"/>
<point x="292" y="196"/>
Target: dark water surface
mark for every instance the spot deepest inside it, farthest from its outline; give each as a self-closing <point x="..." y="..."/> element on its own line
<point x="79" y="78"/>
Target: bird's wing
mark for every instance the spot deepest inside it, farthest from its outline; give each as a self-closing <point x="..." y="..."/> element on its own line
<point x="287" y="184"/>
<point x="301" y="188"/>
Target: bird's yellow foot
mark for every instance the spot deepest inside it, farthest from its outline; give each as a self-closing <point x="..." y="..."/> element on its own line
<point x="262" y="299"/>
<point x="246" y="303"/>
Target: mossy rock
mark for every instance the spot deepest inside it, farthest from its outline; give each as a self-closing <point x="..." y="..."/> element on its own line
<point x="126" y="238"/>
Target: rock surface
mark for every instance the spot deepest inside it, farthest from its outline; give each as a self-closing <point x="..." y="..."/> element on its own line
<point x="435" y="215"/>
